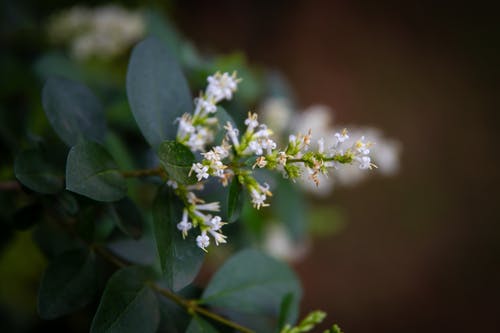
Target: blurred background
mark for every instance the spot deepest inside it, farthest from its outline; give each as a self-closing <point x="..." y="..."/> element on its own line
<point x="419" y="251"/>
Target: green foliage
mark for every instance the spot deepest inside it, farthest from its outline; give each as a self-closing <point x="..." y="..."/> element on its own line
<point x="68" y="284"/>
<point x="307" y="324"/>
<point x="157" y="91"/>
<point x="127" y="217"/>
<point x="177" y="160"/>
<point x="234" y="200"/>
<point x="128" y="304"/>
<point x="289" y="208"/>
<point x="73" y="111"/>
<point x="251" y="282"/>
<point x="92" y="172"/>
<point x="199" y="325"/>
<point x="34" y="171"/>
<point x="180" y="259"/>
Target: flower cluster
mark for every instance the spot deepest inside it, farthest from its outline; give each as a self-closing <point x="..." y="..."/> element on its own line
<point x="103" y="32"/>
<point x="198" y="213"/>
<point x="255" y="145"/>
<point x="333" y="139"/>
<point x="195" y="131"/>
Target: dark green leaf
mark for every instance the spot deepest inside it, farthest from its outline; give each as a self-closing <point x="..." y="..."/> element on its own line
<point x="222" y="119"/>
<point x="127" y="217"/>
<point x="234" y="200"/>
<point x="73" y="111"/>
<point x="286" y="310"/>
<point x="180" y="258"/>
<point x="177" y="160"/>
<point x="91" y="171"/>
<point x="289" y="207"/>
<point x="200" y="325"/>
<point x="127" y="304"/>
<point x="157" y="91"/>
<point x="251" y="282"/>
<point x="35" y="172"/>
<point x="68" y="284"/>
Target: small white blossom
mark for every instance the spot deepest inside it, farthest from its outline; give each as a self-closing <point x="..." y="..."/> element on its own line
<point x="209" y="207"/>
<point x="342" y="137"/>
<point x="222" y="86"/>
<point x="203" y="241"/>
<point x="172" y="183"/>
<point x="232" y="133"/>
<point x="364" y="162"/>
<point x="218" y="237"/>
<point x="200" y="170"/>
<point x="184" y="225"/>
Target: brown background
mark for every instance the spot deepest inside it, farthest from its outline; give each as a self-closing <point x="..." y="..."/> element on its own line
<point x="421" y="250"/>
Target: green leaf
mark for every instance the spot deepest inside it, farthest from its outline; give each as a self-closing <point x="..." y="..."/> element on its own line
<point x="251" y="282"/>
<point x="127" y="217"/>
<point x="200" y="325"/>
<point x="127" y="304"/>
<point x="177" y="160"/>
<point x="289" y="207"/>
<point x="157" y="91"/>
<point x="68" y="284"/>
<point x="234" y="200"/>
<point x="222" y="119"/>
<point x="73" y="110"/>
<point x="285" y="310"/>
<point x="35" y="172"/>
<point x="180" y="259"/>
<point x="91" y="171"/>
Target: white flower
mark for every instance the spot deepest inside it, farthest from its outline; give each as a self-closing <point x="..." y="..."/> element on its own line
<point x="321" y="146"/>
<point x="209" y="207"/>
<point x="342" y="137"/>
<point x="215" y="223"/>
<point x="232" y="133"/>
<point x="206" y="105"/>
<point x="362" y="147"/>
<point x="276" y="112"/>
<point x="184" y="225"/>
<point x="364" y="162"/>
<point x="251" y="122"/>
<point x="221" y="86"/>
<point x="258" y="197"/>
<point x="218" y="237"/>
<point x="221" y="151"/>
<point x="203" y="241"/>
<point x="172" y="183"/>
<point x="200" y="170"/>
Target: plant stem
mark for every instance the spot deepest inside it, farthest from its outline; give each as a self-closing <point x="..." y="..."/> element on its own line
<point x="190" y="305"/>
<point x="144" y="172"/>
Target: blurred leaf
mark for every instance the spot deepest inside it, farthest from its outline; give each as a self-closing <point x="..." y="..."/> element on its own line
<point x="286" y="310"/>
<point x="34" y="171"/>
<point x="289" y="207"/>
<point x="117" y="148"/>
<point x="251" y="282"/>
<point x="223" y="118"/>
<point x="67" y="203"/>
<point x="53" y="241"/>
<point x="73" y="110"/>
<point x="127" y="304"/>
<point x="159" y="26"/>
<point x="200" y="325"/>
<point x="127" y="217"/>
<point x="56" y="64"/>
<point x="157" y="91"/>
<point x="180" y="259"/>
<point x="177" y="160"/>
<point x="234" y="200"/>
<point x="174" y="319"/>
<point x="68" y="284"/>
<point x="91" y="171"/>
